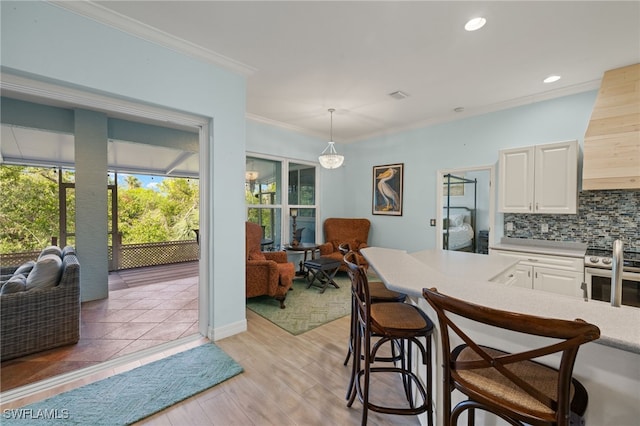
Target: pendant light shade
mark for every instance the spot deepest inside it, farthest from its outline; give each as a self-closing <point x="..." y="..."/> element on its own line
<point x="330" y="159"/>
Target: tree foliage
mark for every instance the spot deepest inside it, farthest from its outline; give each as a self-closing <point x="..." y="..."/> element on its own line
<point x="29" y="209"/>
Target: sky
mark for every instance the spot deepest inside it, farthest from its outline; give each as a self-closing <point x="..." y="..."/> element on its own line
<point x="148" y="181"/>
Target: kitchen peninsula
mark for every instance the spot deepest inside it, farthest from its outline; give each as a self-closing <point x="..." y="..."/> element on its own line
<point x="609" y="367"/>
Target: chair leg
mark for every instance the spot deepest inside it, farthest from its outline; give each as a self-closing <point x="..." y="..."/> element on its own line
<point x="351" y="332"/>
<point x="429" y="384"/>
<point x="367" y="378"/>
<point x="354" y="384"/>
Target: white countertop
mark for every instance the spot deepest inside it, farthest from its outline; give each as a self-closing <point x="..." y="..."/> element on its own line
<point x="466" y="276"/>
<point x="552" y="248"/>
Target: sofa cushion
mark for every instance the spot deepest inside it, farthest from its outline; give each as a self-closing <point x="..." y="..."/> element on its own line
<point x="46" y="273"/>
<point x="68" y="250"/>
<point x="257" y="255"/>
<point x="15" y="284"/>
<point x="50" y="250"/>
<point x="25" y="268"/>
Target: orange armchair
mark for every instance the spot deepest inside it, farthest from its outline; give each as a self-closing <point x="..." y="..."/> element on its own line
<point x="267" y="273"/>
<point x="352" y="234"/>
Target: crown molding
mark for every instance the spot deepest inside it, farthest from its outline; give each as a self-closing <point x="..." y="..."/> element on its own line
<point x="58" y="94"/>
<point x="105" y="16"/>
<point x="282" y="125"/>
<point x="486" y="109"/>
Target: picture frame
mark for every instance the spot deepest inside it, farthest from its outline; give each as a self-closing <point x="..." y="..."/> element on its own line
<point x="456" y="188"/>
<point x="387" y="191"/>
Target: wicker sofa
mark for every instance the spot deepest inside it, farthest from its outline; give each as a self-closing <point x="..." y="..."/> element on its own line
<point x="38" y="319"/>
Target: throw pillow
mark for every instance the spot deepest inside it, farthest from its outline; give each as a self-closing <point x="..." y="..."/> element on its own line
<point x="68" y="250"/>
<point x="16" y="284"/>
<point x="25" y="268"/>
<point x="50" y="250"/>
<point x="46" y="273"/>
<point x="257" y="255"/>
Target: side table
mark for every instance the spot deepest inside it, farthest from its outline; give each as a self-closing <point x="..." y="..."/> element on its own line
<point x="306" y="248"/>
<point x="322" y="269"/>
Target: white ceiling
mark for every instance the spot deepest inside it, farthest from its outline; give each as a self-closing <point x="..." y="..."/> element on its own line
<point x="301" y="58"/>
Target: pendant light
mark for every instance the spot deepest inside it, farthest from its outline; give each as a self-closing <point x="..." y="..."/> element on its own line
<point x="330" y="159"/>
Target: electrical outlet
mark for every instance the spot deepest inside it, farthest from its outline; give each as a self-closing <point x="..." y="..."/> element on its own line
<point x="432" y="222"/>
<point x="509" y="226"/>
<point x="544" y="227"/>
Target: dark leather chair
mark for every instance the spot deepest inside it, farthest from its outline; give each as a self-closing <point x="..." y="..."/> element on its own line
<point x="511" y="385"/>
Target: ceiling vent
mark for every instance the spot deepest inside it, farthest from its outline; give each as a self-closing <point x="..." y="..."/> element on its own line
<point x="398" y="95"/>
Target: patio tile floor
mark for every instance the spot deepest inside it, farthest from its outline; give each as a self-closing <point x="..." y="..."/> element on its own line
<point x="134" y="317"/>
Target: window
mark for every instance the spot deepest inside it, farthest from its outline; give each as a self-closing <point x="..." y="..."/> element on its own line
<point x="302" y="197"/>
<point x="270" y="207"/>
<point x="263" y="194"/>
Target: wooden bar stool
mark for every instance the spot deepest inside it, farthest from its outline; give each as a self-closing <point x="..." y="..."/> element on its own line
<point x="379" y="294"/>
<point x="511" y="385"/>
<point x="393" y="321"/>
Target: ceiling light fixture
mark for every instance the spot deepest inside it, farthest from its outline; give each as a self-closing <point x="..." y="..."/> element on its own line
<point x="551" y="79"/>
<point x="475" y="24"/>
<point x="330" y="159"/>
<point x="251" y="175"/>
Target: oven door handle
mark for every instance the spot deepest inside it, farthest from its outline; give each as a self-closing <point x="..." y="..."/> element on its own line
<point x="585" y="292"/>
<point x="606" y="273"/>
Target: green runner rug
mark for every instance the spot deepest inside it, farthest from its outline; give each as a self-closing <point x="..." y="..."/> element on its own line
<point x="306" y="308"/>
<point x="133" y="395"/>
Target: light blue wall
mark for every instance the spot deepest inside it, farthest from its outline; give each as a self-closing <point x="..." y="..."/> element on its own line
<point x="90" y="137"/>
<point x="470" y="142"/>
<point x="465" y="143"/>
<point x="46" y="42"/>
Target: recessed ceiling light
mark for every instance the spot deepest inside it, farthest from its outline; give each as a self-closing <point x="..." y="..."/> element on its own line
<point x="551" y="79"/>
<point x="475" y="24"/>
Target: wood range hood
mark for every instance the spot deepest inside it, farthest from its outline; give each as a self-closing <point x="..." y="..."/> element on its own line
<point x="612" y="140"/>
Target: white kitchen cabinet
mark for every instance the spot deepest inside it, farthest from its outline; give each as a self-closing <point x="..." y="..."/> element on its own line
<point x="554" y="274"/>
<point x="539" y="179"/>
<point x="558" y="281"/>
<point x="517" y="276"/>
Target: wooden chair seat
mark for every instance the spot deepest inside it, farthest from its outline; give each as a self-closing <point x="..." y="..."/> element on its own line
<point x="487" y="384"/>
<point x="512" y="386"/>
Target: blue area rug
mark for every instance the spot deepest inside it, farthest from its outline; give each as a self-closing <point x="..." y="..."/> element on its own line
<point x="133" y="395"/>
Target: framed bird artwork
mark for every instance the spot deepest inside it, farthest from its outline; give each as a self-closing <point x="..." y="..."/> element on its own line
<point x="387" y="189"/>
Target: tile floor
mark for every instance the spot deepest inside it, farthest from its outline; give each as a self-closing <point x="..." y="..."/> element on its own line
<point x="136" y="316"/>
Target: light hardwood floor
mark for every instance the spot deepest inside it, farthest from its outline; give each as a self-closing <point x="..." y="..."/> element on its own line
<point x="287" y="380"/>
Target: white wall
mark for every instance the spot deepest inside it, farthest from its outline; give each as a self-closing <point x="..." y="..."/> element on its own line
<point x="48" y="43"/>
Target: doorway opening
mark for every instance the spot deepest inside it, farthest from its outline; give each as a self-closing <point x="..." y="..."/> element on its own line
<point x="465" y="209"/>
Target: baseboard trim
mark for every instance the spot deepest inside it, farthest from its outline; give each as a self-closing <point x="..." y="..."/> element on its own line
<point x="227" y="330"/>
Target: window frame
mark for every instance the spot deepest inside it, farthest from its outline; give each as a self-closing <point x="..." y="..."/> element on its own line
<point x="284" y="206"/>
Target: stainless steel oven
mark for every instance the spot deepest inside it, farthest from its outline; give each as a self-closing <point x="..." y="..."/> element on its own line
<point x="598" y="274"/>
<point x="599" y="286"/>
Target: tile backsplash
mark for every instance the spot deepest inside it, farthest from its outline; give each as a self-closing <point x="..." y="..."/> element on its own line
<point x="603" y="216"/>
